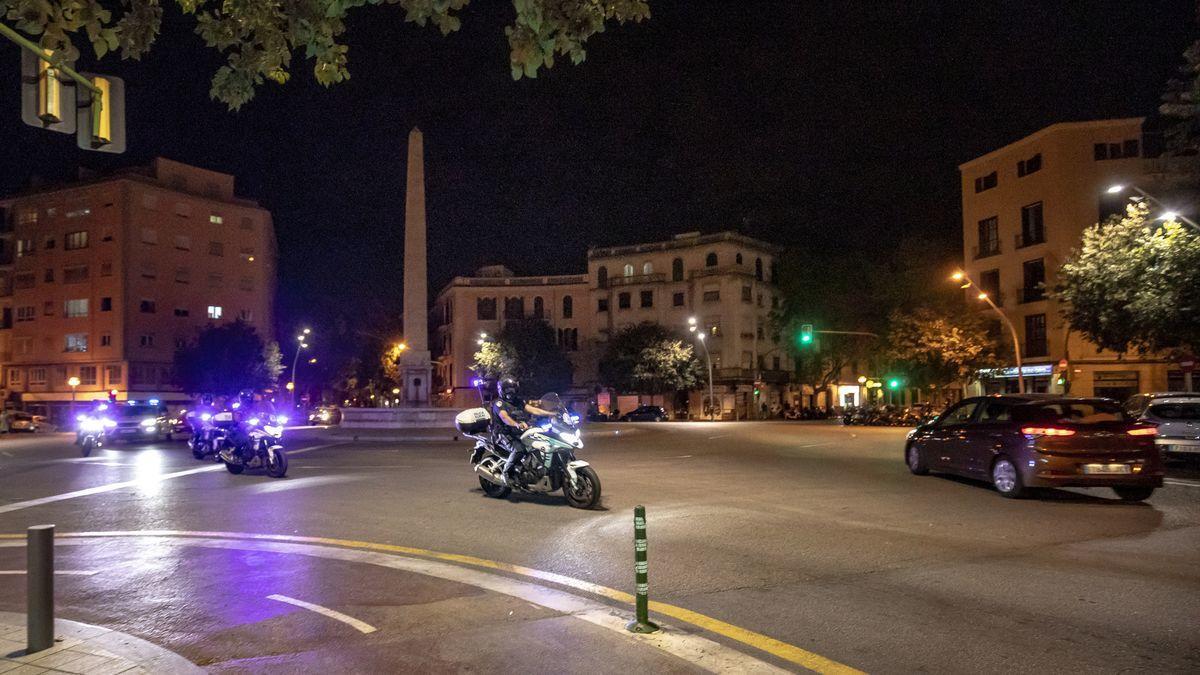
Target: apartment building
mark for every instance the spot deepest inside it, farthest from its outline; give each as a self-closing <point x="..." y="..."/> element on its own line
<point x="104" y="278"/>
<point x="725" y="280"/>
<point x="1025" y="206"/>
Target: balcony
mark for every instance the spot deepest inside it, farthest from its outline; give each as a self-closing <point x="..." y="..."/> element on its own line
<point x="750" y="375"/>
<point x="1025" y="239"/>
<point x="988" y="251"/>
<point x="636" y="279"/>
<point x="1027" y="294"/>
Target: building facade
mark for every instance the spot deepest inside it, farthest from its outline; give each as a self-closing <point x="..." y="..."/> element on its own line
<point x="1025" y="207"/>
<point x="725" y="280"/>
<point x="103" y="279"/>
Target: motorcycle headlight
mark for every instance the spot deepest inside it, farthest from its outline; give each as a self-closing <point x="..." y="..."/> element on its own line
<point x="273" y="430"/>
<point x="280" y="419"/>
<point x="205" y="417"/>
<point x="90" y="425"/>
<point x="147" y="423"/>
<point x="253" y="421"/>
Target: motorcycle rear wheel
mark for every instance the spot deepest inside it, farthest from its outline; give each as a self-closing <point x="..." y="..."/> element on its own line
<point x="586" y="495"/>
<point x="234" y="469"/>
<point x="492" y="490"/>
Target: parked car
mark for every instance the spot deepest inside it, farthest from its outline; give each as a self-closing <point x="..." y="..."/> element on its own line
<point x="1137" y="404"/>
<point x="1178" y="421"/>
<point x="23" y="421"/>
<point x="1023" y="441"/>
<point x="645" y="413"/>
<point x="325" y="414"/>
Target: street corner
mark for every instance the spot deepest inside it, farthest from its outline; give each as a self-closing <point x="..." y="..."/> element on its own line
<point x="242" y="603"/>
<point x="86" y="649"/>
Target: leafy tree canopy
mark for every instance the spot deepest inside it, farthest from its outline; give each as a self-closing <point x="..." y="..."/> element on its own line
<point x="223" y="360"/>
<point x="938" y="346"/>
<point x="1135" y="285"/>
<point x="526" y="351"/>
<point x="650" y="359"/>
<point x="260" y="37"/>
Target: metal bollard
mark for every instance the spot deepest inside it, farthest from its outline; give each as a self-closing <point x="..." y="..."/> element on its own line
<point x="39" y="572"/>
<point x="641" y="622"/>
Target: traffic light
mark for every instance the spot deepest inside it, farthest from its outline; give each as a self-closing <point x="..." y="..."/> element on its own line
<point x="56" y="98"/>
<point x="101" y="120"/>
<point x="47" y="96"/>
<point x="894" y="383"/>
<point x="806" y="334"/>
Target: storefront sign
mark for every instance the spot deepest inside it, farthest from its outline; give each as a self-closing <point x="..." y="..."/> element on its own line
<point x="1040" y="370"/>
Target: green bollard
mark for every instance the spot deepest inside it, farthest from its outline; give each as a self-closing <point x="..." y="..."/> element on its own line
<point x="642" y="623"/>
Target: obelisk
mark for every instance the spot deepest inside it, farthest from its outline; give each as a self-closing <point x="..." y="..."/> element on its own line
<point x="415" y="360"/>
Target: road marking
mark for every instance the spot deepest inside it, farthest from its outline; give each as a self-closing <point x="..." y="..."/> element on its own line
<point x="300" y="483"/>
<point x="534" y="593"/>
<point x="74" y="573"/>
<point x="719" y="436"/>
<point x="360" y="626"/>
<point x="148" y="480"/>
<point x="680" y="456"/>
<point x="1185" y="483"/>
<point x="814" y="445"/>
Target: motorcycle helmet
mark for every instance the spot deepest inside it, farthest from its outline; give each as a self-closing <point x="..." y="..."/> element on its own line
<point x="246" y="397"/>
<point x="509" y="390"/>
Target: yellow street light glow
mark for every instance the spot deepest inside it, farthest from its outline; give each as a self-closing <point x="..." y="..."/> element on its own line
<point x="401" y="346"/>
<point x="395" y="390"/>
<point x="983" y="296"/>
<point x="73" y="382"/>
<point x="691" y="321"/>
<point x="1170" y="215"/>
<point x="307" y="331"/>
<point x="251" y="258"/>
<point x="290" y="386"/>
<point x="313" y="360"/>
<point x="702" y="336"/>
<point x="1114" y="189"/>
<point x="957" y="276"/>
<point x="862" y="379"/>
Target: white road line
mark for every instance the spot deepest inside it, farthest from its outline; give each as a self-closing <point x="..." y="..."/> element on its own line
<point x="110" y="487"/>
<point x="360" y="626"/>
<point x="719" y="436"/>
<point x="73" y="573"/>
<point x="1185" y="483"/>
<point x="300" y="483"/>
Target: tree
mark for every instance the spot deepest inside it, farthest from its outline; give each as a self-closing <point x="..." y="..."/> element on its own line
<point x="1132" y="285"/>
<point x="936" y="347"/>
<point x="650" y="359"/>
<point x="259" y="37"/>
<point x="1181" y="102"/>
<point x="223" y="360"/>
<point x="526" y="351"/>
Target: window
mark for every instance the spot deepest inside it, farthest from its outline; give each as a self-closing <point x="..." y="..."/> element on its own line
<point x="989" y="237"/>
<point x="26" y="313"/>
<point x="183" y="275"/>
<point x="1035" y="335"/>
<point x="79" y="213"/>
<point x="48" y="275"/>
<point x="149" y="202"/>
<point x="48" y="308"/>
<point x="1028" y="166"/>
<point x="1033" y="228"/>
<point x="105" y="304"/>
<point x="986" y="182"/>
<point x="75" y="274"/>
<point x="647" y="267"/>
<point x="959" y="414"/>
<point x="989" y="282"/>
<point x="995" y="411"/>
<point x="1123" y="150"/>
<point x="87" y="375"/>
<point x="246" y="284"/>
<point x="149" y="270"/>
<point x="112" y="375"/>
<point x="146" y="340"/>
<point x="182" y="209"/>
<point x="216" y="280"/>
<point x="215" y="311"/>
<point x="183" y="242"/>
<point x="106" y="340"/>
<point x="75" y="240"/>
<point x="710" y="260"/>
<point x="677" y="269"/>
<point x="248" y="316"/>
<point x="647" y="299"/>
<point x="247" y="253"/>
<point x="37" y="376"/>
<point x="713" y="324"/>
<point x="602" y="305"/>
<point x="747" y="294"/>
<point x="48" y="243"/>
<point x="215" y="219"/>
<point x="738" y="258"/>
<point x="24" y="247"/>
<point x="28" y="217"/>
<point x="75" y="309"/>
<point x="1034" y="273"/>
<point x="677" y="300"/>
<point x="247" y="224"/>
<point x="149" y="235"/>
<point x="628" y="270"/>
<point x="758" y="269"/>
<point x="623" y="300"/>
<point x="106" y="234"/>
<point x="602" y="276"/>
<point x="147" y="306"/>
<point x="182" y="312"/>
<point x="712" y="295"/>
<point x="24" y="280"/>
<point x="106" y="269"/>
<point x="514" y="308"/>
<point x="77" y="342"/>
<point x="539" y="307"/>
<point x="485" y="309"/>
<point x="14" y="376"/>
<point x="568" y="307"/>
<point x="216" y="248"/>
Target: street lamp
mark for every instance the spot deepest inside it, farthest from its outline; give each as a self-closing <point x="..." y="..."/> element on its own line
<point x="302" y="343"/>
<point x="701" y="335"/>
<point x="1167" y="215"/>
<point x="962" y="277"/>
<point x="73" y="382"/>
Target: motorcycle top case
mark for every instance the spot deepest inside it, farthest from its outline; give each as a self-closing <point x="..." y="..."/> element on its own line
<point x="472" y="422"/>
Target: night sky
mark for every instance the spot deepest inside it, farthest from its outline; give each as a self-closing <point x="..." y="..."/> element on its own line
<point x="831" y="125"/>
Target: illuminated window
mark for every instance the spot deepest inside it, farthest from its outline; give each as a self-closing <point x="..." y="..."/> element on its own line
<point x="628" y="270"/>
<point x="24" y="247"/>
<point x="75" y="309"/>
<point x="647" y="267"/>
<point x="77" y="342"/>
<point x="216" y="220"/>
<point x="214" y="311"/>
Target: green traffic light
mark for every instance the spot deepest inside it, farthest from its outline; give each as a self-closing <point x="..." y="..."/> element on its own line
<point x="805" y="339"/>
<point x="893" y="384"/>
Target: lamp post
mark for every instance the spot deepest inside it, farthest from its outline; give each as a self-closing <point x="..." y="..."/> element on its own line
<point x="73" y="382"/>
<point x="701" y="335"/>
<point x="967" y="283"/>
<point x="302" y="343"/>
<point x="1167" y="215"/>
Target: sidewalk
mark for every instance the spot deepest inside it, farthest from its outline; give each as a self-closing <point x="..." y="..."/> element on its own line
<point x="84" y="648"/>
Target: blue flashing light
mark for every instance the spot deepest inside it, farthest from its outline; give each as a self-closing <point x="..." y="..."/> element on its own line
<point x="153" y="401"/>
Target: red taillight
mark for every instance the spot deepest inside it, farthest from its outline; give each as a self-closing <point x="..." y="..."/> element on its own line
<point x="1143" y="431"/>
<point x="1047" y="431"/>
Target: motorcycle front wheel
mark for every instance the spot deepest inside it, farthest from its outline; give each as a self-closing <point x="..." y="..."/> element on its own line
<point x="585" y="492"/>
<point x="87" y="446"/>
<point x="492" y="490"/>
<point x="276" y="463"/>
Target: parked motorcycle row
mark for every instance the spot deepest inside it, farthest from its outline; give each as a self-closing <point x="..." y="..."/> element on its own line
<point x="889" y="415"/>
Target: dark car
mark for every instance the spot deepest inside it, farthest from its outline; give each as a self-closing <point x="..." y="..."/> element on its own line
<point x="136" y="420"/>
<point x="1017" y="442"/>
<point x="645" y="413"/>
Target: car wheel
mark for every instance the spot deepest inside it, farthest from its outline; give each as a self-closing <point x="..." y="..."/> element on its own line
<point x="1006" y="479"/>
<point x="1133" y="493"/>
<point x="916" y="464"/>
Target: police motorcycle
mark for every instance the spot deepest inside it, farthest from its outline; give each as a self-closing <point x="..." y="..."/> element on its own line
<point x="207" y="437"/>
<point x="93" y="428"/>
<point x="549" y="463"/>
<point x="251" y="439"/>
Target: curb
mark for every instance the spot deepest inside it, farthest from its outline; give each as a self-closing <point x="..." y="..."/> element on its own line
<point x="146" y="655"/>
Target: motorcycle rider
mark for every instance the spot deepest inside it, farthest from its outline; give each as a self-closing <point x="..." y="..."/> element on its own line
<point x="514" y="413"/>
<point x="195" y="419"/>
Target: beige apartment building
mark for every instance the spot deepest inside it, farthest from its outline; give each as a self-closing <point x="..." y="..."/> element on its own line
<point x="1025" y="207"/>
<point x="102" y="279"/>
<point x="725" y="280"/>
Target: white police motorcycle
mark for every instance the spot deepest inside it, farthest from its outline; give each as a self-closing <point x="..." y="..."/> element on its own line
<point x="258" y="443"/>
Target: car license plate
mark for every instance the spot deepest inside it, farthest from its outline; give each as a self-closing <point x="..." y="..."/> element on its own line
<point x="1106" y="468"/>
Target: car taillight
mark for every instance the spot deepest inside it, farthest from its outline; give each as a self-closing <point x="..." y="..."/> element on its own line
<point x="1047" y="431"/>
<point x="1142" y="431"/>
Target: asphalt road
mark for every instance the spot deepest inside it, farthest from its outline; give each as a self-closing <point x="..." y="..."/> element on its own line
<point x="793" y="541"/>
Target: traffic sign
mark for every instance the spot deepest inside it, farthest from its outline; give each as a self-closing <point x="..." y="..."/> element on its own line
<point x="1187" y="365"/>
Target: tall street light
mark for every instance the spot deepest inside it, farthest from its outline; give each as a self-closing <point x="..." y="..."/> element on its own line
<point x="1167" y="214"/>
<point x="73" y="382"/>
<point x="301" y="344"/>
<point x="967" y="283"/>
<point x="701" y="335"/>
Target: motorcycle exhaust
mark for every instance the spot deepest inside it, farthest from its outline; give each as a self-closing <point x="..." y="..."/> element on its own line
<point x="488" y="474"/>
